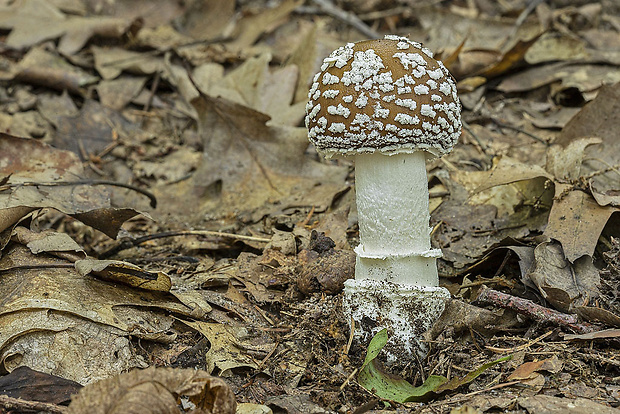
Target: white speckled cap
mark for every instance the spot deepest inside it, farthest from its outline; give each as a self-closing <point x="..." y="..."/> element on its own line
<point x="387" y="96"/>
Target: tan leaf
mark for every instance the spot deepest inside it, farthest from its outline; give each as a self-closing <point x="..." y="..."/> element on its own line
<point x="576" y="220"/>
<point x="41" y="67"/>
<point x="125" y="273"/>
<point x="507" y="171"/>
<point x="250" y="167"/>
<point x="45" y="177"/>
<point x="599" y="118"/>
<point x="525" y="371"/>
<point x="255" y="85"/>
<point x="561" y="282"/>
<point x="155" y="391"/>
<point x="33" y="21"/>
<point x="565" y="163"/>
<point x="250" y="28"/>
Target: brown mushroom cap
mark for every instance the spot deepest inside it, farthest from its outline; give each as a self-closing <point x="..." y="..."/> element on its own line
<point x="387" y="96"/>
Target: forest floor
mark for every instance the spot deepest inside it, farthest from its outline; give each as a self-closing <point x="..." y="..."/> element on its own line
<point x="161" y="206"/>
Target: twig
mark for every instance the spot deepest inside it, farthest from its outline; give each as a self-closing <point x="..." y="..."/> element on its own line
<point x="154" y="86"/>
<point x="600" y="359"/>
<point x="520" y="347"/>
<point x="522" y="131"/>
<point x="521" y="19"/>
<point x="349" y="378"/>
<point x="308" y="217"/>
<point x="83" y="182"/>
<point x="347" y="17"/>
<point x="25" y="406"/>
<point x="128" y="244"/>
<point x="41" y="266"/>
<point x="532" y="310"/>
<point x="481" y="145"/>
<point x="501" y="266"/>
<point x="269" y="355"/>
<point x="609" y="168"/>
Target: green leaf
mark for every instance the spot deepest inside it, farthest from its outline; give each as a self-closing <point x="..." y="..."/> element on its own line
<point x="393" y="388"/>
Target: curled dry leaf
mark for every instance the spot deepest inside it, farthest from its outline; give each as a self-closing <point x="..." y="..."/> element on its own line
<point x="562" y="283"/>
<point x="125" y="273"/>
<point x="155" y="391"/>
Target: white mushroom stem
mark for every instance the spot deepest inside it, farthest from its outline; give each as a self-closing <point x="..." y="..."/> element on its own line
<point x="393" y="216"/>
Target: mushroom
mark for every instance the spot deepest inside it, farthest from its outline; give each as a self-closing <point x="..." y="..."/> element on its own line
<point x="389" y="104"/>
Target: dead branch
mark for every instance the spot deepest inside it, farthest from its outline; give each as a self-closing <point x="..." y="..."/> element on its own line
<point x="532" y="310"/>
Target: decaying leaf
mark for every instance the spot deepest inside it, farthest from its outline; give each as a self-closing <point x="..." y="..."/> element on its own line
<point x="252" y="84"/>
<point x="57" y="244"/>
<point x="576" y="220"/>
<point x="460" y="317"/>
<point x="251" y="27"/>
<point x="125" y="273"/>
<point x="41" y="67"/>
<point x="33" y="21"/>
<point x="227" y="350"/>
<point x="44" y="177"/>
<point x="528" y="373"/>
<point x="111" y="62"/>
<point x="506" y="171"/>
<point x="556" y="405"/>
<point x="251" y="167"/>
<point x="526" y="370"/>
<point x="565" y="163"/>
<point x="155" y="391"/>
<point x="46" y="301"/>
<point x="31" y="385"/>
<point x="561" y="282"/>
<point x="599" y="118"/>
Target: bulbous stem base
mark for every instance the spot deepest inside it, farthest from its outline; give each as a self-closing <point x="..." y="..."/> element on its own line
<point x="407" y="311"/>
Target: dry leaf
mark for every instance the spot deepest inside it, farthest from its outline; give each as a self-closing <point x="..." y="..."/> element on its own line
<point x="561" y="282"/>
<point x="33" y="21"/>
<point x="600" y="118"/>
<point x="155" y="391"/>
<point x="576" y="220"/>
<point x="29" y="162"/>
<point x="556" y="405"/>
<point x="250" y="167"/>
<point x="125" y="273"/>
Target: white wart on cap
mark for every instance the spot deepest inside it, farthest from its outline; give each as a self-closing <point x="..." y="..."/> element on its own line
<point x="388" y="96"/>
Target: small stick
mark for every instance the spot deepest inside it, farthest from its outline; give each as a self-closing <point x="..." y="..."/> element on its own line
<point x="149" y="101"/>
<point x="520" y="130"/>
<point x="351" y="335"/>
<point x="520" y="347"/>
<point x="148" y="194"/>
<point x="349" y="18"/>
<point x="128" y="244"/>
<point x="308" y="217"/>
<point x="20" y="405"/>
<point x="349" y="378"/>
<point x="532" y="310"/>
<point x="481" y="146"/>
<point x="269" y="355"/>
